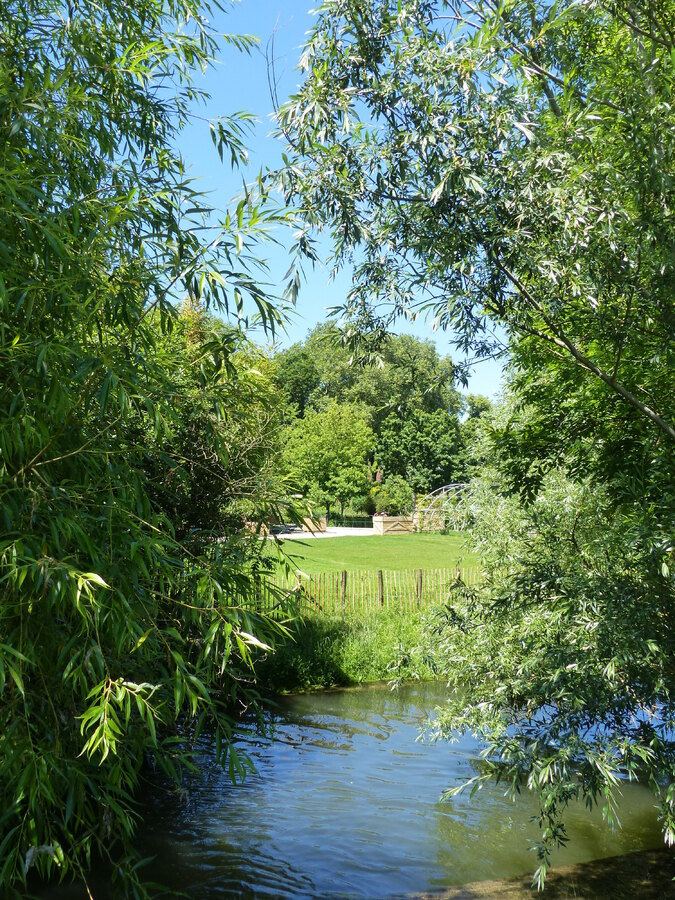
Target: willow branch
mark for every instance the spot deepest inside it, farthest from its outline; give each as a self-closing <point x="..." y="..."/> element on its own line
<point x="561" y="339"/>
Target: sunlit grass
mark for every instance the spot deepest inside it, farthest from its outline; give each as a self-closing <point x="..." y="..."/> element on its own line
<point x="394" y="552"/>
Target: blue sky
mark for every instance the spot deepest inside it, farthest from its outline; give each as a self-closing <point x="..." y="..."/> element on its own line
<point x="240" y="82"/>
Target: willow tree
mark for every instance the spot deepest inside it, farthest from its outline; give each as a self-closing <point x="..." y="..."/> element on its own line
<point x="118" y="643"/>
<point x="512" y="162"/>
<point x="498" y="162"/>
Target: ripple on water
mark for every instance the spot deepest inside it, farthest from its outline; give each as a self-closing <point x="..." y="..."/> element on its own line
<point x="345" y="803"/>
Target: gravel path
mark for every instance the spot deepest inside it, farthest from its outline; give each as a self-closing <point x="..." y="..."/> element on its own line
<point x="328" y="533"/>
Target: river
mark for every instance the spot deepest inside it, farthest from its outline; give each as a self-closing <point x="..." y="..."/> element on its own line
<point x="345" y="803"/>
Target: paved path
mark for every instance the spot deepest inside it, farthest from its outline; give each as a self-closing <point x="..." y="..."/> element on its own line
<point x="328" y="533"/>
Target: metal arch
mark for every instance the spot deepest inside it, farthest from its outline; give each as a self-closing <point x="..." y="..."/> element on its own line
<point x="435" y="508"/>
<point x="448" y="490"/>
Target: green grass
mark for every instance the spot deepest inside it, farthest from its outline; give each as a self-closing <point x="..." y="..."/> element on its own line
<point x="326" y="652"/>
<point x="365" y="645"/>
<point x="394" y="552"/>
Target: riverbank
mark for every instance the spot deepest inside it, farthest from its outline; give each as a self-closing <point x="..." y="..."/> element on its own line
<point x="636" y="876"/>
<point x="328" y="652"/>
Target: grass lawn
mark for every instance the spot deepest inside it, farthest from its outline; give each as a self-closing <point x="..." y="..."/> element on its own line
<point x="391" y="551"/>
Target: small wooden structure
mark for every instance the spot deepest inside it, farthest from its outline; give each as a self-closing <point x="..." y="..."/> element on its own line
<point x="392" y="524"/>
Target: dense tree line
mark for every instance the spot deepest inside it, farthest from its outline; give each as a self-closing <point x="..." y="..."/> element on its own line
<point x="399" y="415"/>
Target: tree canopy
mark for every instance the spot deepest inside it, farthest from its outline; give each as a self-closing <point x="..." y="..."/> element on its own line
<point x="423" y="447"/>
<point x="500" y="162"/>
<point x="408" y="395"/>
<point x="408" y="374"/>
<point x="217" y="467"/>
<point x="327" y="453"/>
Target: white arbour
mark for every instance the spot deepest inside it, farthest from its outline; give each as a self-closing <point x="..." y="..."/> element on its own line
<point x="439" y="509"/>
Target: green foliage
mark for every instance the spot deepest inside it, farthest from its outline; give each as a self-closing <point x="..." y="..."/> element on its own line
<point x="407" y="392"/>
<point x="329" y="652"/>
<point x="394" y="497"/>
<point x="327" y="453"/>
<point x="216" y="468"/>
<point x="296" y="372"/>
<point x="423" y="448"/>
<point x="407" y="375"/>
<point x="507" y="163"/>
<point x="476" y="406"/>
<point x="567" y="648"/>
<point x="120" y="643"/>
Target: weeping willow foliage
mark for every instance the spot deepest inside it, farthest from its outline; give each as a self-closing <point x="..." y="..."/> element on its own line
<point x="563" y="656"/>
<point x="120" y="637"/>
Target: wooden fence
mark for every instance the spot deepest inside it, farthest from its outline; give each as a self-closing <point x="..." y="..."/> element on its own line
<point x="346" y="593"/>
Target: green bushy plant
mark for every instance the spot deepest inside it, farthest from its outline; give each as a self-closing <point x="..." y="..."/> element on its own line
<point x="121" y="638"/>
<point x="562" y="657"/>
<point x="325" y="652"/>
<point x="394" y="497"/>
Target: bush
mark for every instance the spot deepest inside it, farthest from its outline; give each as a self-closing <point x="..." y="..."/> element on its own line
<point x="562" y="657"/>
<point x="394" y="497"/>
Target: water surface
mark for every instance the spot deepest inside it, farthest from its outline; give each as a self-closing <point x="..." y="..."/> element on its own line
<point x="345" y="803"/>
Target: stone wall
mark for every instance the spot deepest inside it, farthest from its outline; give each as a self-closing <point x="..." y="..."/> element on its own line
<point x="314" y="525"/>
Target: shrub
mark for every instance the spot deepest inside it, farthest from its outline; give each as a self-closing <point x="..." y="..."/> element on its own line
<point x="394" y="497"/>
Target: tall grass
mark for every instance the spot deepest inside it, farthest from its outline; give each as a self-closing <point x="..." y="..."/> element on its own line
<point x="326" y="652"/>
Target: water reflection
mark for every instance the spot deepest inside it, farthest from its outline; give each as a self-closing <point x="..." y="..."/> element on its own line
<point x="345" y="803"/>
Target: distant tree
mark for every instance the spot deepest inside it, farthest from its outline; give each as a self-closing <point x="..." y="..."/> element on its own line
<point x="408" y="395"/>
<point x="296" y="373"/>
<point x="328" y="453"/>
<point x="333" y="361"/>
<point x="409" y="374"/>
<point x="476" y="405"/>
<point x="421" y="447"/>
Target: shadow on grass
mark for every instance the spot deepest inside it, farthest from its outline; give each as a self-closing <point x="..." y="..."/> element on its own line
<point x="329" y="652"/>
<point x="314" y="657"/>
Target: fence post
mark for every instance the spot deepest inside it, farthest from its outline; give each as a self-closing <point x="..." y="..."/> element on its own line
<point x="419" y="587"/>
<point x="380" y="587"/>
<point x="343" y="591"/>
<point x="298" y="593"/>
